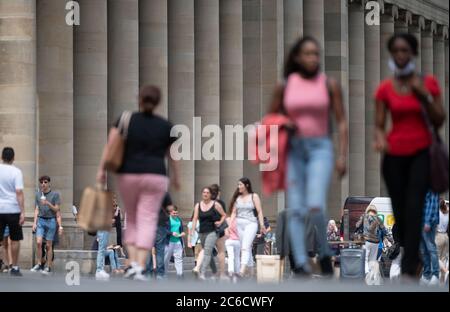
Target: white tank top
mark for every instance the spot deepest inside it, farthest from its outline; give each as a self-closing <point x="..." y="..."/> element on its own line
<point x="245" y="210"/>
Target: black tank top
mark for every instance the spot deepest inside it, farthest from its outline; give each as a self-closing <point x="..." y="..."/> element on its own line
<point x="207" y="219"/>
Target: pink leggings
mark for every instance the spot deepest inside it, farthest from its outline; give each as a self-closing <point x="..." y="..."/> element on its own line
<point x="142" y="195"/>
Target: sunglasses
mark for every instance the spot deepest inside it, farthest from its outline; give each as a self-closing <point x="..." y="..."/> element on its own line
<point x="397" y="50"/>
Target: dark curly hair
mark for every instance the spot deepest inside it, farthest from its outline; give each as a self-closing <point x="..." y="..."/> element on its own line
<point x="410" y="39"/>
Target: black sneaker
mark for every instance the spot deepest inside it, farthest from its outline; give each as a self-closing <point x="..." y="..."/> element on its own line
<point x="15" y="272"/>
<point x="326" y="266"/>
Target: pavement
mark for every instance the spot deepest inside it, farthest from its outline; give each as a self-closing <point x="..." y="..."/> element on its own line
<point x="36" y="282"/>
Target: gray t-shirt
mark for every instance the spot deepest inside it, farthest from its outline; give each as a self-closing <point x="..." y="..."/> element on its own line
<point x="44" y="210"/>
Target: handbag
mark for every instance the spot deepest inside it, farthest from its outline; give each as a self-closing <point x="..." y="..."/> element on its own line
<point x="96" y="210"/>
<point x="438" y="157"/>
<point x="116" y="143"/>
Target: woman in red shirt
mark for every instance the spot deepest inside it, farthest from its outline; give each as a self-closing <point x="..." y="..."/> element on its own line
<point x="406" y="159"/>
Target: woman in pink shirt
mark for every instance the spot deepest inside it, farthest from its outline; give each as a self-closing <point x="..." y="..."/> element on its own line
<point x="310" y="98"/>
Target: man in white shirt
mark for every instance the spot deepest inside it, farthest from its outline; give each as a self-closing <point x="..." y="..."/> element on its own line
<point x="12" y="211"/>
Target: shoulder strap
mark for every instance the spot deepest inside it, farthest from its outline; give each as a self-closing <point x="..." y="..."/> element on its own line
<point x="425" y="115"/>
<point x="124" y="123"/>
<point x="254" y="206"/>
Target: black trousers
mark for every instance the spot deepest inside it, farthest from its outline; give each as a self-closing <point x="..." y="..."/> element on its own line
<point x="407" y="180"/>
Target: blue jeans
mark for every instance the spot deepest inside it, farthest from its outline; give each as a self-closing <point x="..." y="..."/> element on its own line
<point x="103" y="238"/>
<point x="429" y="254"/>
<point x="113" y="259"/>
<point x="309" y="171"/>
<point x="46" y="228"/>
<point x="160" y="245"/>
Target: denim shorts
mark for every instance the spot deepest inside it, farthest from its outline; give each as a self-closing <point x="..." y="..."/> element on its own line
<point x="46" y="228"/>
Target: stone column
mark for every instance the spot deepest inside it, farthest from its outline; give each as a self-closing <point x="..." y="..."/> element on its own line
<point x="314" y="23"/>
<point x="356" y="113"/>
<point x="263" y="48"/>
<point x="272" y="55"/>
<point x="231" y="90"/>
<point x="336" y="66"/>
<point x="404" y="20"/>
<point x="55" y="91"/>
<point x="252" y="74"/>
<point x="18" y="89"/>
<point x="416" y="27"/>
<point x="427" y="47"/>
<point x="207" y="89"/>
<point x="386" y="31"/>
<point x="293" y="23"/>
<point x="91" y="92"/>
<point x="439" y="63"/>
<point x="123" y="57"/>
<point x="153" y="48"/>
<point x="181" y="92"/>
<point x="372" y="49"/>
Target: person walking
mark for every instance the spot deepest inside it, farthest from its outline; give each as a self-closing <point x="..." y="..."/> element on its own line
<point x="175" y="246"/>
<point x="205" y="212"/>
<point x="162" y="239"/>
<point x="233" y="245"/>
<point x="310" y="101"/>
<point x="406" y="159"/>
<point x="12" y="205"/>
<point x="372" y="225"/>
<point x="428" y="250"/>
<point x="220" y="243"/>
<point x="245" y="207"/>
<point x="442" y="239"/>
<point x="141" y="179"/>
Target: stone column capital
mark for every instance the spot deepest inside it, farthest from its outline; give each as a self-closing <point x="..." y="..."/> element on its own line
<point x="418" y="21"/>
<point x="362" y="3"/>
<point x="390" y="9"/>
<point x="405" y="16"/>
<point x="441" y="32"/>
<point x="430" y="27"/>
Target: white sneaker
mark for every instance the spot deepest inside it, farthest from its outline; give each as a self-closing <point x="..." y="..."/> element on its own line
<point x="102" y="276"/>
<point x="423" y="281"/>
<point x="46" y="271"/>
<point x="140" y="277"/>
<point x="434" y="281"/>
<point x="130" y="273"/>
<point x="36" y="268"/>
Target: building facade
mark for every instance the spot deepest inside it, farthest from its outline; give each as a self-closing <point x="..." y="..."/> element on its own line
<point x="62" y="85"/>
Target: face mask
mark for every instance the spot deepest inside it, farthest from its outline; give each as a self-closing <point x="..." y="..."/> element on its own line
<point x="402" y="72"/>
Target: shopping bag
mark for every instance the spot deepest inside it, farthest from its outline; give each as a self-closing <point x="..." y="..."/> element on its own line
<point x="96" y="210"/>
